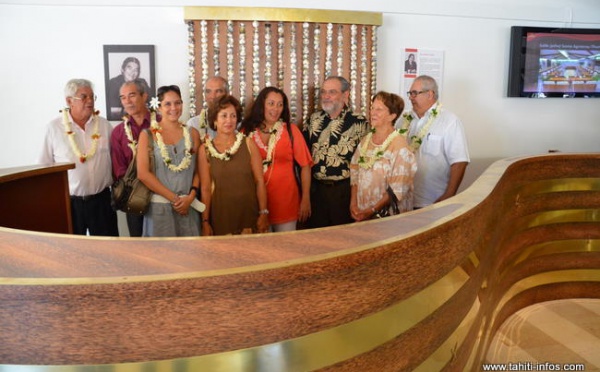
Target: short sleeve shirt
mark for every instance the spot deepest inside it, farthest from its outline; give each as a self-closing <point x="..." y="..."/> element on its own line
<point x="332" y="143"/>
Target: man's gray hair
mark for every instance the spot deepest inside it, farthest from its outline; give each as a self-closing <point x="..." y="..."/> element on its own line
<point x="74" y="84"/>
<point x="140" y="86"/>
<point x="428" y="83"/>
<point x="222" y="79"/>
<point x="345" y="84"/>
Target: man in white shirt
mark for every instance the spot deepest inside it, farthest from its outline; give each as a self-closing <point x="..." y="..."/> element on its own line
<point x="438" y="139"/>
<point x="82" y="137"/>
<point x="214" y="88"/>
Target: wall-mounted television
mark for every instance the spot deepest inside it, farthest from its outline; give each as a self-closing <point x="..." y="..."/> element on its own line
<point x="554" y="62"/>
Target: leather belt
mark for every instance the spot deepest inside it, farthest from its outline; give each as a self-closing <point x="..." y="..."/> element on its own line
<point x="90" y="197"/>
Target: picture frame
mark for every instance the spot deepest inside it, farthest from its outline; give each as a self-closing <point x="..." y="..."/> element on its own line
<point x="119" y="66"/>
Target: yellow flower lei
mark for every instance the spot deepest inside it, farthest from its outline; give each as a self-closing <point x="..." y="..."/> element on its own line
<point x="378" y="151"/>
<point x="71" y="136"/>
<point x="187" y="159"/>
<point x="417" y="140"/>
<point x="229" y="152"/>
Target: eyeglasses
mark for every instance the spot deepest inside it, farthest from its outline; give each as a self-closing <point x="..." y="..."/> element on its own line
<point x="85" y="97"/>
<point x="414" y="93"/>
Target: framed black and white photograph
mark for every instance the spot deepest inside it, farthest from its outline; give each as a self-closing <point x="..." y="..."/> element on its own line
<point x="126" y="63"/>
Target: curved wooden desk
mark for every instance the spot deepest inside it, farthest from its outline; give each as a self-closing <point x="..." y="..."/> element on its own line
<point x="423" y="291"/>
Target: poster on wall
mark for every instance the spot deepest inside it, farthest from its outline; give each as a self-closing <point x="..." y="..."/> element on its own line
<point x="418" y="61"/>
<point x="126" y="63"/>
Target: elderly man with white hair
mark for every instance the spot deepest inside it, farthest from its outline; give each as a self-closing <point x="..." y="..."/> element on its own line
<point x="79" y="135"/>
<point x="437" y="137"/>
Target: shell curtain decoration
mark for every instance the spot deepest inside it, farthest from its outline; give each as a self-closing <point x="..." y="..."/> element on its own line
<point x="295" y="51"/>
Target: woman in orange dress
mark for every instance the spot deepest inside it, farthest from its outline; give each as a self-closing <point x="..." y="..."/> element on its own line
<point x="280" y="143"/>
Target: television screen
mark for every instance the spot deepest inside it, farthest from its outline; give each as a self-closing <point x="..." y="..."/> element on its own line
<point x="553" y="62"/>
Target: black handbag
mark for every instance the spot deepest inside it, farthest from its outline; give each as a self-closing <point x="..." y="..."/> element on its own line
<point x="390" y="209"/>
<point x="129" y="194"/>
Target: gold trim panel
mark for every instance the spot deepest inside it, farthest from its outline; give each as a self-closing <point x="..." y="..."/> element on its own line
<point x="445" y="353"/>
<point x="559" y="185"/>
<point x="559" y="216"/>
<point x="551" y="277"/>
<point x="281" y="14"/>
<point x="557" y="247"/>
<point x="305" y="353"/>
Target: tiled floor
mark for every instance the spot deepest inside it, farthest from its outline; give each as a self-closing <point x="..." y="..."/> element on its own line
<point x="555" y="332"/>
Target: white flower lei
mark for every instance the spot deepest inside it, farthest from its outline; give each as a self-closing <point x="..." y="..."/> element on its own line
<point x="378" y="151"/>
<point x="202" y="120"/>
<point x="274" y="136"/>
<point x="187" y="159"/>
<point x="71" y="136"/>
<point x="229" y="152"/>
<point x="417" y="140"/>
<point x="203" y="126"/>
<point x="132" y="143"/>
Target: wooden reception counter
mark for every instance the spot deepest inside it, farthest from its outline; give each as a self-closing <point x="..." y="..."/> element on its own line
<point x="425" y="291"/>
<point x="36" y="198"/>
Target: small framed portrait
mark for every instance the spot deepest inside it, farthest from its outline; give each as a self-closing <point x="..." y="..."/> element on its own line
<point x="410" y="64"/>
<point x="124" y="63"/>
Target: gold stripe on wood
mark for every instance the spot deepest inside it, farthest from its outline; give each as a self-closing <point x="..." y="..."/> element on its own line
<point x="557" y="247"/>
<point x="558" y="216"/>
<point x="281" y="14"/>
<point x="559" y="185"/>
<point x="444" y="354"/>
<point x="310" y="352"/>
<point x="551" y="277"/>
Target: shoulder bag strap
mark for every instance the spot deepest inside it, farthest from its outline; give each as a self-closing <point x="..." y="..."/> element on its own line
<point x="150" y="149"/>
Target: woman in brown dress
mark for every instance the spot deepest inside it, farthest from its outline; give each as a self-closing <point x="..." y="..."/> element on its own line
<point x="231" y="178"/>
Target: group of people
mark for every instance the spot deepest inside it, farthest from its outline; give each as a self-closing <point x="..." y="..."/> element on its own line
<point x="220" y="175"/>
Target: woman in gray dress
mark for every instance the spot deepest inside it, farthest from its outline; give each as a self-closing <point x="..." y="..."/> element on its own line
<point x="174" y="179"/>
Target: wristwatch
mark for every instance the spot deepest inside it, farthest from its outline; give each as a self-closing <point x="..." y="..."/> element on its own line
<point x="263" y="211"/>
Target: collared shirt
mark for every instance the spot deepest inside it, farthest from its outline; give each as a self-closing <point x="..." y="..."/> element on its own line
<point x="443" y="145"/>
<point x="95" y="174"/>
<point x="121" y="153"/>
<point x="332" y="143"/>
<point x="200" y="122"/>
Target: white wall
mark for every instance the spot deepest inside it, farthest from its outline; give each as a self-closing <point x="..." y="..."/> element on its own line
<point x="45" y="46"/>
<point x="42" y="46"/>
<point x="475" y="79"/>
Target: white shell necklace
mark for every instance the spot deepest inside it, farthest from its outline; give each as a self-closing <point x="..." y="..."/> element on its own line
<point x="71" y="136"/>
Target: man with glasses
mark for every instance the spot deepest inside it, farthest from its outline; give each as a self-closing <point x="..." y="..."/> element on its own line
<point x="438" y="139"/>
<point x="82" y="137"/>
<point x="214" y="88"/>
<point x="332" y="135"/>
<point x="125" y="137"/>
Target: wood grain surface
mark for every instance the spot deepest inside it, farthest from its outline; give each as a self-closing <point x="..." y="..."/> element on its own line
<point x="528" y="230"/>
